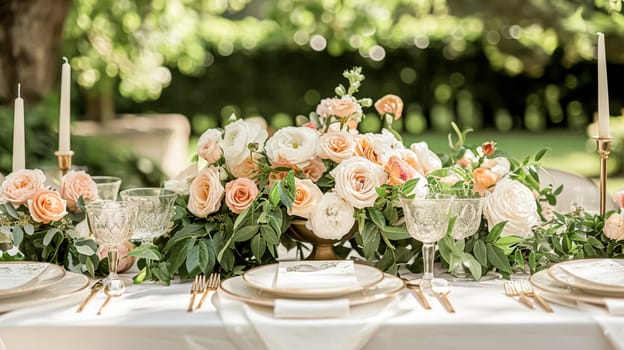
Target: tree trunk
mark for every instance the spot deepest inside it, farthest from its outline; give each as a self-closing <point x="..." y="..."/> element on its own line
<point x="31" y="33"/>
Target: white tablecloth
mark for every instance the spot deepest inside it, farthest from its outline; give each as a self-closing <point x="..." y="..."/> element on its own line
<point x="154" y="317"/>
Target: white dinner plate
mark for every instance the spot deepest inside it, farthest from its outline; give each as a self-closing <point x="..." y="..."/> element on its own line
<point x="22" y="277"/>
<point x="562" y="276"/>
<point x="263" y="278"/>
<point x="607" y="273"/>
<point x="237" y="288"/>
<point x="553" y="290"/>
<point x="73" y="285"/>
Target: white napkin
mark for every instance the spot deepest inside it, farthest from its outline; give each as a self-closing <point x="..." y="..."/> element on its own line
<point x="612" y="324"/>
<point x="316" y="274"/>
<point x="289" y="308"/>
<point x="615" y="306"/>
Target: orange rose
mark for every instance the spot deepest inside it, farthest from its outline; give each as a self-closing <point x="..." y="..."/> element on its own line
<point x="239" y="194"/>
<point x="20" y="186"/>
<point x="314" y="170"/>
<point x="488" y="148"/>
<point x="399" y="171"/>
<point x="307" y="196"/>
<point x="390" y="104"/>
<point x="124" y="261"/>
<point x="483" y="179"/>
<point x="75" y="184"/>
<point x="47" y="206"/>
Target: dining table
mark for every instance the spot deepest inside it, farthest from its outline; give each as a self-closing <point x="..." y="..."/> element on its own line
<point x="153" y="316"/>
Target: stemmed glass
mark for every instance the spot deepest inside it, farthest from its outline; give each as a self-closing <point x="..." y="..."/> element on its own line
<point x="467" y="208"/>
<point x="155" y="206"/>
<point x="427" y="221"/>
<point x="111" y="224"/>
<point x="108" y="187"/>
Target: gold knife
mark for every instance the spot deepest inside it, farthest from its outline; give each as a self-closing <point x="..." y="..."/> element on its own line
<point x="420" y="294"/>
<point x="94" y="289"/>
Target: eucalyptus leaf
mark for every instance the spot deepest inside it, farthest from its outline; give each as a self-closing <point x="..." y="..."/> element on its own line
<point x="497" y="257"/>
<point x="473" y="265"/>
<point x="17" y="235"/>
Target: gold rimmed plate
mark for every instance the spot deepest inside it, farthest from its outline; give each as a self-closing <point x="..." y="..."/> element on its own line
<point x="569" y="274"/>
<point x="23" y="277"/>
<point x="237" y="288"/>
<point x="263" y="277"/>
<point x="555" y="291"/>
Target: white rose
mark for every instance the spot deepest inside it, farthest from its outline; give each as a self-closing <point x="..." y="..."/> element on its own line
<point x="81" y="230"/>
<point x="513" y="202"/>
<point x="181" y="182"/>
<point x="357" y="179"/>
<point x="208" y="145"/>
<point x="384" y="145"/>
<point x="429" y="160"/>
<point x="237" y="136"/>
<point x="293" y="145"/>
<point x="336" y="146"/>
<point x="332" y="218"/>
<point x="499" y="166"/>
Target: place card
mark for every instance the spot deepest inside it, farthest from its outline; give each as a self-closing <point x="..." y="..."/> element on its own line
<point x="316" y="275"/>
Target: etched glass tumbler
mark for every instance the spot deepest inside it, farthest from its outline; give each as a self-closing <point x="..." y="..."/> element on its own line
<point x="111" y="223"/>
<point x="155" y="206"/>
<point x="427" y="221"/>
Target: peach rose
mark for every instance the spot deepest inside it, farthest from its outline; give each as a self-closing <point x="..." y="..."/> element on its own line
<point x="206" y="193"/>
<point x="20" y="186"/>
<point x="364" y="148"/>
<point x="614" y="227"/>
<point x="47" y="206"/>
<point x="488" y="148"/>
<point x="336" y="146"/>
<point x="314" y="170"/>
<point x="343" y="107"/>
<point x="239" y="194"/>
<point x="412" y="160"/>
<point x="75" y="184"/>
<point x="390" y="104"/>
<point x="248" y="168"/>
<point x="124" y="262"/>
<point x="208" y="145"/>
<point x="399" y="171"/>
<point x="483" y="179"/>
<point x="619" y="198"/>
<point x="357" y="180"/>
<point x="307" y="196"/>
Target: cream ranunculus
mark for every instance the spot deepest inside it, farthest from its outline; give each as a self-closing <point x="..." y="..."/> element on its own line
<point x="336" y="146"/>
<point x="20" y="186"/>
<point x="513" y="202"/>
<point x="205" y="193"/>
<point x="294" y="145"/>
<point x="357" y="179"/>
<point x="307" y="196"/>
<point x="240" y="193"/>
<point x="429" y="160"/>
<point x="614" y="227"/>
<point x="76" y="184"/>
<point x="332" y="217"/>
<point x="237" y="137"/>
<point x="47" y="206"/>
<point x="208" y="145"/>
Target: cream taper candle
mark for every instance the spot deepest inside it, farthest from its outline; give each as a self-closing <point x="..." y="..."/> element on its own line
<point x="19" y="144"/>
<point x="64" y="120"/>
<point x="603" y="90"/>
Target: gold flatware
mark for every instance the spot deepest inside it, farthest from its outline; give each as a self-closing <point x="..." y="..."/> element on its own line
<point x="214" y="280"/>
<point x="94" y="289"/>
<point x="198" y="286"/>
<point x="108" y="298"/>
<point x="415" y="287"/>
<point x="527" y="289"/>
<point x="441" y="289"/>
<point x="511" y="291"/>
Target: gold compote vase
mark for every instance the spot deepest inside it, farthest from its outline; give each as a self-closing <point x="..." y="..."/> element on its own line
<point x="322" y="249"/>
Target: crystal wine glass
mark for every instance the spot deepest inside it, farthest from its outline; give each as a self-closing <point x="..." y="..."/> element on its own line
<point x="155" y="206"/>
<point x="427" y="221"/>
<point x="467" y="208"/>
<point x="108" y="187"/>
<point x="111" y="223"/>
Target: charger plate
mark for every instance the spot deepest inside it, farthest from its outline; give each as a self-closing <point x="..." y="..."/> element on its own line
<point x="73" y="285"/>
<point x="237" y="288"/>
<point x="22" y="277"/>
<point x="567" y="274"/>
<point x="263" y="278"/>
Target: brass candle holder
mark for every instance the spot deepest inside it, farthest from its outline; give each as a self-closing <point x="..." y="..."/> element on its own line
<point x="64" y="161"/>
<point x="604" y="149"/>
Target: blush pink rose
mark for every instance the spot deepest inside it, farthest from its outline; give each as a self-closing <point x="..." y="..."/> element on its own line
<point x="208" y="145"/>
<point x="314" y="170"/>
<point x="75" y="184"/>
<point x="124" y="261"/>
<point x="20" y="186"/>
<point x="619" y="198"/>
<point x="307" y="196"/>
<point x="239" y="194"/>
<point x="336" y="146"/>
<point x="205" y="193"/>
<point x="47" y="206"/>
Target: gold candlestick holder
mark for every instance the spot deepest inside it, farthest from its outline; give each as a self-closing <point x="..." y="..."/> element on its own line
<point x="64" y="161"/>
<point x="604" y="148"/>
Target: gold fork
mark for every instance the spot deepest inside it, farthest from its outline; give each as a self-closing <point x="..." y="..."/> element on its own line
<point x="528" y="290"/>
<point x="512" y="291"/>
<point x="415" y="287"/>
<point x="214" y="280"/>
<point x="197" y="287"/>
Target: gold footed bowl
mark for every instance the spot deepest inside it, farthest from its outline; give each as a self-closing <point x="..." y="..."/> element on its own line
<point x="322" y="249"/>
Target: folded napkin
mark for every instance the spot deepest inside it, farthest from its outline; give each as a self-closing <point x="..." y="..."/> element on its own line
<point x="290" y="308"/>
<point x="316" y="275"/>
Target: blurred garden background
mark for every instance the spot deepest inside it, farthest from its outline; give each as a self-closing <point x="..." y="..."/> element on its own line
<point x="520" y="72"/>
